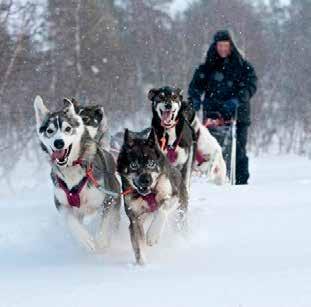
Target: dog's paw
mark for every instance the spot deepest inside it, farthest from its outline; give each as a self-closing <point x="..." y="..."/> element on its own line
<point x="89" y="243"/>
<point x="152" y="238"/>
<point x="81" y="234"/>
<point x="141" y="261"/>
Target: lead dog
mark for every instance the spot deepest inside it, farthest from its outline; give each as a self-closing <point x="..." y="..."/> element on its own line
<point x="170" y="113"/>
<point x="79" y="168"/>
<point x="151" y="186"/>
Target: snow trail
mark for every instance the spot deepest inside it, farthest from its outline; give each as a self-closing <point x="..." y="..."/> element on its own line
<point x="248" y="246"/>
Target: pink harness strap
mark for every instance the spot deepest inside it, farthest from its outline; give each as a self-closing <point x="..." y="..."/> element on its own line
<point x="199" y="157"/>
<point x="73" y="195"/>
<point x="172" y="154"/>
<point x="151" y="201"/>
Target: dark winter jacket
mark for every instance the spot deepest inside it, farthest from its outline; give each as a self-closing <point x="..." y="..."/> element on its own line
<point x="223" y="79"/>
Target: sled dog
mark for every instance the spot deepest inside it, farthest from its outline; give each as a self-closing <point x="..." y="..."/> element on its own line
<point x="79" y="170"/>
<point x="151" y="187"/>
<point x="171" y="116"/>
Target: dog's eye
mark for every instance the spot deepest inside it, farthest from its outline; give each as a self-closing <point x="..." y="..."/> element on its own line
<point x="174" y="96"/>
<point x="151" y="164"/>
<point x="49" y="131"/>
<point x="68" y="129"/>
<point x="134" y="166"/>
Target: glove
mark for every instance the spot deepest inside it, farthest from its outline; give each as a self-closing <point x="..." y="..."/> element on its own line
<point x="229" y="108"/>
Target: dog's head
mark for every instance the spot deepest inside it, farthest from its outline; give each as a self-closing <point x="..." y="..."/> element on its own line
<point x="92" y="116"/>
<point x="141" y="161"/>
<point x="166" y="104"/>
<point x="59" y="132"/>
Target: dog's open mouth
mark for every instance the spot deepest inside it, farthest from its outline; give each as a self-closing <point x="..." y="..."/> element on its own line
<point x="167" y="118"/>
<point x="61" y="156"/>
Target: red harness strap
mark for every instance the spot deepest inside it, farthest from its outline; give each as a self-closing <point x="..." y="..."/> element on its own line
<point x="73" y="195"/>
<point x="171" y="154"/>
<point x="150" y="198"/>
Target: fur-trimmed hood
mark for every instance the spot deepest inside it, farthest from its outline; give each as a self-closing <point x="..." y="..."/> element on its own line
<point x="212" y="56"/>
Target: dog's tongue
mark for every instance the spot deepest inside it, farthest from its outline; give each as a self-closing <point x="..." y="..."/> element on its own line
<point x="166" y="116"/>
<point x="59" y="155"/>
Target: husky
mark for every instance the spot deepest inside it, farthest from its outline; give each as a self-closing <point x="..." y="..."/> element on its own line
<point x="95" y="120"/>
<point x="169" y="109"/>
<point x="79" y="170"/>
<point x="175" y="135"/>
<point x="151" y="187"/>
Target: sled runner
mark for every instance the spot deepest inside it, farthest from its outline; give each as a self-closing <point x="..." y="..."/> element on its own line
<point x="225" y="133"/>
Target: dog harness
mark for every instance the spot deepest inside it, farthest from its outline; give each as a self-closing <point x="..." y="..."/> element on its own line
<point x="73" y="195"/>
<point x="172" y="153"/>
<point x="150" y="198"/>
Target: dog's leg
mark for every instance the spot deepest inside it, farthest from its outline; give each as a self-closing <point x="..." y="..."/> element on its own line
<point x="188" y="170"/>
<point x="220" y="170"/>
<point x="105" y="232"/>
<point x="157" y="226"/>
<point x="159" y="220"/>
<point x="138" y="240"/>
<point x="79" y="232"/>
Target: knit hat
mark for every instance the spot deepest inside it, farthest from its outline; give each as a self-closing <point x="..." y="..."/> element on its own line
<point x="222" y="35"/>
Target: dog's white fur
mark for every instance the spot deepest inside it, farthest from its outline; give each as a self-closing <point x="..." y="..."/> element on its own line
<point x="209" y="147"/>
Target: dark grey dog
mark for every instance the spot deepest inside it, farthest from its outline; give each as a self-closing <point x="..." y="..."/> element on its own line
<point x="81" y="172"/>
<point x="151" y="186"/>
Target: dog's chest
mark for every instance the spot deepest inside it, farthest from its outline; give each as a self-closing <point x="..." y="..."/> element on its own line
<point x="176" y="154"/>
<point x="163" y="191"/>
<point x="90" y="197"/>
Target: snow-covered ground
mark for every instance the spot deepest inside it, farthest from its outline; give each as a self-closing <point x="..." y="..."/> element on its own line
<point x="248" y="246"/>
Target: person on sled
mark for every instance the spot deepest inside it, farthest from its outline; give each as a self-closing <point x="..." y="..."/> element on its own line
<point x="226" y="82"/>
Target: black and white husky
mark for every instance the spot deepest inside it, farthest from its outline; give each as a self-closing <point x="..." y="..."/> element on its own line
<point x="151" y="186"/>
<point x="79" y="168"/>
<point x="175" y="135"/>
<point x="171" y="119"/>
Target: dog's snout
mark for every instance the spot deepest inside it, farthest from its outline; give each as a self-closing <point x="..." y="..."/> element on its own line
<point x="59" y="144"/>
<point x="168" y="106"/>
<point x="145" y="180"/>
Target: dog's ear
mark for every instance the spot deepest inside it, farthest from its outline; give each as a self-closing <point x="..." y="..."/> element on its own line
<point x="69" y="107"/>
<point x="41" y="110"/>
<point x="152" y="93"/>
<point x="180" y="93"/>
<point x="128" y="138"/>
<point x="68" y="102"/>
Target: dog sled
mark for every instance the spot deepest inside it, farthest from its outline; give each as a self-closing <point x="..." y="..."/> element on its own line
<point x="225" y="133"/>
